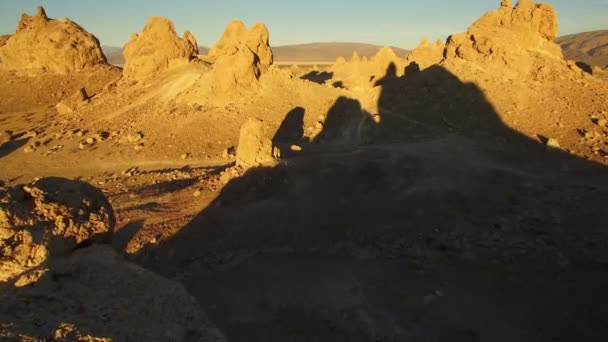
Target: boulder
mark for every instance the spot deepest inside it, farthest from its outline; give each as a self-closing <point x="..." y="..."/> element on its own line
<point x="254" y="148"/>
<point x="73" y="103"/>
<point x="51" y="45"/>
<point x="157" y="48"/>
<point x="49" y="217"/>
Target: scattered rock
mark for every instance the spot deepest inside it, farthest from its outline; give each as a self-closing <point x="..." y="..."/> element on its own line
<point x="73" y="103"/>
<point x="254" y="147"/>
<point x="52" y="45"/>
<point x="50" y="217"/>
<point x="601" y="122"/>
<point x="157" y="48"/>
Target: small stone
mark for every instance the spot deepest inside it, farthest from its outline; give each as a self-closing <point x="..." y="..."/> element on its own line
<point x="552" y="143"/>
<point x="296" y="148"/>
<point x="601" y="122"/>
<point x="184" y="156"/>
<point x="138" y="147"/>
<point x="90" y="141"/>
<point x="197" y="193"/>
<point x="82" y="146"/>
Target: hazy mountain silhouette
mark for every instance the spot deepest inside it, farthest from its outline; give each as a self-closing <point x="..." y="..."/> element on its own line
<point x="299" y="53"/>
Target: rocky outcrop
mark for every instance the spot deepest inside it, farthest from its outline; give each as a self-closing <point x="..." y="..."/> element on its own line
<point x="51" y="45"/>
<point x="517" y="39"/>
<point x="157" y="48"/>
<point x="254" y="147"/>
<point x="241" y="56"/>
<point x="426" y="54"/>
<point x="50" y="217"/>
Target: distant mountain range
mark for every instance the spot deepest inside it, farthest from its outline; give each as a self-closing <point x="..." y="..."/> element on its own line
<point x="587" y="47"/>
<point x="300" y="53"/>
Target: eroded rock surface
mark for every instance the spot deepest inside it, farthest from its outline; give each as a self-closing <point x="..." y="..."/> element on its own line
<point x="51" y="45"/>
<point x="157" y="48"/>
<point x="50" y="217"/>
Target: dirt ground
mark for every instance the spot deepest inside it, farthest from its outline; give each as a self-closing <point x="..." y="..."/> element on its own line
<point x="449" y="219"/>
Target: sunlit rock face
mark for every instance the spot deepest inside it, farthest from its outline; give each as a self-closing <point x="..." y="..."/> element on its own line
<point x="157" y="48"/>
<point x="51" y="45"/>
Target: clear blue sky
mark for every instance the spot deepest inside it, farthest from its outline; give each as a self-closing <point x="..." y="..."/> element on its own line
<point x="384" y="22"/>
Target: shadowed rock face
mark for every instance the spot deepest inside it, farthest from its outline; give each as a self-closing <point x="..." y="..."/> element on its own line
<point x="52" y="45"/>
<point x="157" y="48"/>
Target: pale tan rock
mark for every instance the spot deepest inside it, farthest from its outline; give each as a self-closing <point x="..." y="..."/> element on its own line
<point x="240" y="57"/>
<point x="51" y="45"/>
<point x="73" y="103"/>
<point x="254" y="147"/>
<point x="157" y="48"/>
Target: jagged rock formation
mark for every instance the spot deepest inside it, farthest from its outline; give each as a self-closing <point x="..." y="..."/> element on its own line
<point x="95" y="295"/>
<point x="426" y="54"/>
<point x="241" y="55"/>
<point x="50" y="217"/>
<point x="157" y="48"/>
<point x="254" y="147"/>
<point x="518" y="39"/>
<point x="365" y="73"/>
<point x="52" y="45"/>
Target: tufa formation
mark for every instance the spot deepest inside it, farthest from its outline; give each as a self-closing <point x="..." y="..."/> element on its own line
<point x="241" y="55"/>
<point x="518" y="39"/>
<point x="51" y="45"/>
<point x="157" y="48"/>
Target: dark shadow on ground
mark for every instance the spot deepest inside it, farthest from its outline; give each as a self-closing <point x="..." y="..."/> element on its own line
<point x="290" y="132"/>
<point x="11" y="146"/>
<point x="319" y="77"/>
<point x="429" y="222"/>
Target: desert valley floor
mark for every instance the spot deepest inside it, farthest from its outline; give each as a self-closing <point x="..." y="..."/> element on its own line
<point x="454" y="194"/>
